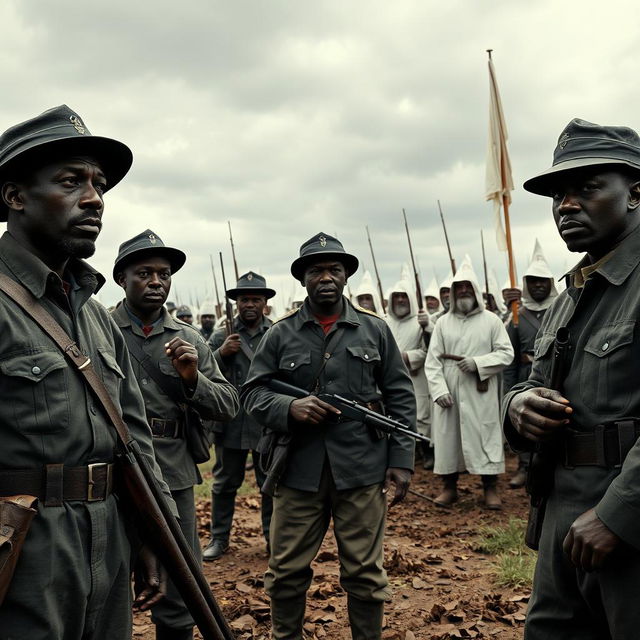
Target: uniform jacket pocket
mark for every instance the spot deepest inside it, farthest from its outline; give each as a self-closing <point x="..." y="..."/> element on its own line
<point x="362" y="363"/>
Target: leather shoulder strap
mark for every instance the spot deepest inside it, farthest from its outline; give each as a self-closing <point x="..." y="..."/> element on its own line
<point x="30" y="305"/>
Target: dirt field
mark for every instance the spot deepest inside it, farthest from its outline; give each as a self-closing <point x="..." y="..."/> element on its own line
<point x="442" y="587"/>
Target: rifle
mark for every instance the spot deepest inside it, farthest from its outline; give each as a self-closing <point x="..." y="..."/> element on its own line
<point x="227" y="305"/>
<point x="486" y="275"/>
<point x="233" y="252"/>
<point x="542" y="460"/>
<point x="446" y="238"/>
<point x="375" y="268"/>
<point x="413" y="264"/>
<point x="215" y="285"/>
<point x="350" y="410"/>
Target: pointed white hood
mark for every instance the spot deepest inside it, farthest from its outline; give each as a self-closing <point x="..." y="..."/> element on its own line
<point x="402" y="286"/>
<point x="433" y="289"/>
<point x="464" y="273"/>
<point x="367" y="287"/>
<point x="539" y="268"/>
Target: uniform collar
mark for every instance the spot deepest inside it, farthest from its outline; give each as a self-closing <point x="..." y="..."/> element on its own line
<point x="122" y="318"/>
<point x="348" y="315"/>
<point x="238" y="325"/>
<point x="34" y="274"/>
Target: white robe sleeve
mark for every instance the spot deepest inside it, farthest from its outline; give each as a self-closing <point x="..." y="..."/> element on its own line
<point x="433" y="365"/>
<point x="501" y="354"/>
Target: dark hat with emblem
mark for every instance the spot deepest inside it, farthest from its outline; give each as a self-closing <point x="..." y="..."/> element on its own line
<point x="319" y="248"/>
<point x="584" y="144"/>
<point x="183" y="311"/>
<point x="56" y="131"/>
<point x="251" y="282"/>
<point x="144" y="244"/>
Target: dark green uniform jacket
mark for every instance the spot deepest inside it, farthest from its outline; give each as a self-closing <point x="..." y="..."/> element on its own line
<point x="243" y="432"/>
<point x="602" y="383"/>
<point x="365" y="365"/>
<point x="76" y="557"/>
<point x="214" y="397"/>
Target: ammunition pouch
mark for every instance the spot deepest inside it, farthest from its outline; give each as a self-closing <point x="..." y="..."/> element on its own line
<point x="16" y="514"/>
<point x="197" y="435"/>
<point x="540" y="474"/>
<point x="273" y="450"/>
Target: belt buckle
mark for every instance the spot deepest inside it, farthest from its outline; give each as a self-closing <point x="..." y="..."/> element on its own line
<point x="91" y="480"/>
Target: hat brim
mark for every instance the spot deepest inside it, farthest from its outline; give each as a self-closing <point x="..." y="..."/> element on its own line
<point x="114" y="157"/>
<point x="259" y="291"/>
<point x="542" y="183"/>
<point x="298" y="266"/>
<point x="175" y="257"/>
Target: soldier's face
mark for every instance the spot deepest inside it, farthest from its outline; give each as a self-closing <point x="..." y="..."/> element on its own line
<point x="325" y="281"/>
<point x="146" y="283"/>
<point x="539" y="288"/>
<point x="593" y="208"/>
<point x="58" y="208"/>
<point x="366" y="302"/>
<point x="250" y="308"/>
<point x="207" y="321"/>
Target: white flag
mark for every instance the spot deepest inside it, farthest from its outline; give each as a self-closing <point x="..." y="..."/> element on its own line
<point x="498" y="180"/>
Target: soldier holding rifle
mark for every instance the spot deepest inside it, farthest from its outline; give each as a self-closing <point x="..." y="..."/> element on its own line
<point x="340" y="470"/>
<point x="587" y="580"/>
<point x="72" y="579"/>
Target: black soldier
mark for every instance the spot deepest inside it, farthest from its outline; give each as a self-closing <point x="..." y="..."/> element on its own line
<point x="72" y="579"/>
<point x="333" y="469"/>
<point x="177" y="374"/>
<point x="587" y="580"/>
<point x="207" y="319"/>
<point x="183" y="312"/>
<point x="234" y="440"/>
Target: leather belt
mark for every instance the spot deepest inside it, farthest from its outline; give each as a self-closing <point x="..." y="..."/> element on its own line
<point x="55" y="483"/>
<point x="165" y="428"/>
<point x="606" y="446"/>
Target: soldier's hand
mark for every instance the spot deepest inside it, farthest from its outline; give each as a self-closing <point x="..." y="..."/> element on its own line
<point x="589" y="542"/>
<point x="468" y="365"/>
<point x="512" y="295"/>
<point x="445" y="401"/>
<point x="401" y="479"/>
<point x="184" y="358"/>
<point x="311" y="410"/>
<point x="150" y="580"/>
<point x="231" y="345"/>
<point x="537" y="414"/>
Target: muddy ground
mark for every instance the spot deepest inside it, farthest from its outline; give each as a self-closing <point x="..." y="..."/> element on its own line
<point x="442" y="587"/>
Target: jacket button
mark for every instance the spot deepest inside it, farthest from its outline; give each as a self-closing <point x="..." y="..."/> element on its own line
<point x="605" y="346"/>
<point x="35" y="371"/>
<point x="293" y="364"/>
<point x="145" y="381"/>
<point x="366" y="356"/>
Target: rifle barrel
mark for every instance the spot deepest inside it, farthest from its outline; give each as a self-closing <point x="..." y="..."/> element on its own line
<point x="227" y="305"/>
<point x="215" y="286"/>
<point x="375" y="268"/>
<point x="446" y="238"/>
<point x="233" y="252"/>
<point x="413" y="264"/>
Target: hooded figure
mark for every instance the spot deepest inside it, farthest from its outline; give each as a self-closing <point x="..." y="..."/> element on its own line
<point x="495" y="291"/>
<point x="432" y="291"/>
<point x="411" y="341"/>
<point x="538" y="292"/>
<point x="443" y="293"/>
<point x="469" y="348"/>
<point x="367" y="288"/>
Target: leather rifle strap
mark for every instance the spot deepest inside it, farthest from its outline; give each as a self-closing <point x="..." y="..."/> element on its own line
<point x="30" y="305"/>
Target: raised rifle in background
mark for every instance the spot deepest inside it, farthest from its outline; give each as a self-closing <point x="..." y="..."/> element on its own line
<point x="233" y="252"/>
<point x="375" y="269"/>
<point x="452" y="261"/>
<point x="228" y="309"/>
<point x="215" y="286"/>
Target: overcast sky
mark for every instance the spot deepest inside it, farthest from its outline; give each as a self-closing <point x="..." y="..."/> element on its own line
<point x="290" y="118"/>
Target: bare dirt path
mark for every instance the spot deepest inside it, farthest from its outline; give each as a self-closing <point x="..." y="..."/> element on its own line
<point x="443" y="588"/>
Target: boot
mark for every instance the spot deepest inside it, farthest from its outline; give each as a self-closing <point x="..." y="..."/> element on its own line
<point x="519" y="479"/>
<point x="365" y="618"/>
<point x="450" y="490"/>
<point x="287" y="617"/>
<point x="215" y="549"/>
<point x="169" y="633"/>
<point x="491" y="498"/>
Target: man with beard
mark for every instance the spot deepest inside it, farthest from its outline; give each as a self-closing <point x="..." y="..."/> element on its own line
<point x="587" y="578"/>
<point x="538" y="292"/>
<point x="367" y="295"/>
<point x="333" y="469"/>
<point x="72" y="579"/>
<point x="411" y="330"/>
<point x="207" y="319"/>
<point x="469" y="348"/>
<point x="177" y="373"/>
<point x="444" y="293"/>
<point x="234" y="440"/>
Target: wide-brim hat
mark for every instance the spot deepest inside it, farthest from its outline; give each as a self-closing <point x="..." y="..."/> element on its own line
<point x="322" y="247"/>
<point x="144" y="244"/>
<point x="584" y="144"/>
<point x="248" y="283"/>
<point x="57" y="131"/>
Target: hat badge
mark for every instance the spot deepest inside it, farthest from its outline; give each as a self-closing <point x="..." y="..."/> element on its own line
<point x="77" y="124"/>
<point x="152" y="238"/>
<point x="562" y="143"/>
<point x="323" y="241"/>
<point x="250" y="276"/>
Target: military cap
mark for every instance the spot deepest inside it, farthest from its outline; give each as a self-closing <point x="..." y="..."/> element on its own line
<point x="60" y="130"/>
<point x="322" y="247"/>
<point x="251" y="282"/>
<point x="171" y="306"/>
<point x="183" y="311"/>
<point x="584" y="144"/>
<point x="146" y="243"/>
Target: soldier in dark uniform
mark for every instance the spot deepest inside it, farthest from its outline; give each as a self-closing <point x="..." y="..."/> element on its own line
<point x="235" y="439"/>
<point x="333" y="470"/>
<point x="183" y="312"/>
<point x="175" y="370"/>
<point x="72" y="580"/>
<point x="587" y="579"/>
